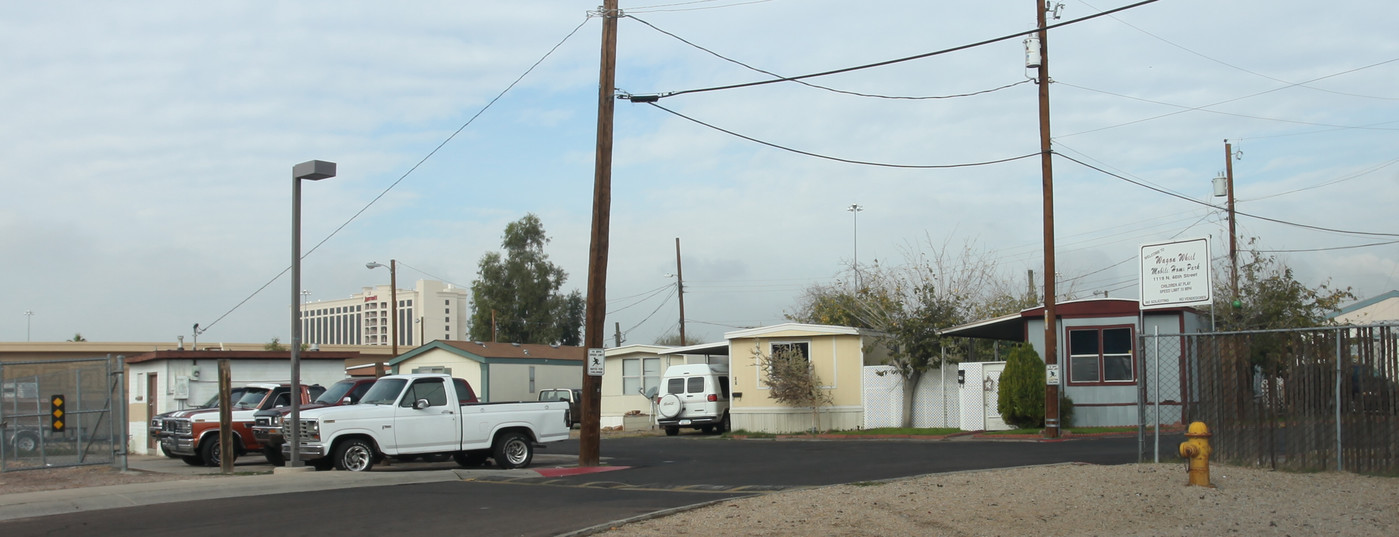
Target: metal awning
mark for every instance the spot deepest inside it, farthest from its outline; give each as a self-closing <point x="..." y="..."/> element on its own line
<point x="1006" y="327"/>
<point x="718" y="348"/>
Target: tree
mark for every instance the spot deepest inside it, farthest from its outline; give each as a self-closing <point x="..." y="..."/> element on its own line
<point x="517" y="296"/>
<point x="1271" y="297"/>
<point x="1020" y="398"/>
<point x="78" y="337"/>
<point x="275" y="345"/>
<point x="792" y="380"/>
<point x="909" y="306"/>
<point x="673" y="340"/>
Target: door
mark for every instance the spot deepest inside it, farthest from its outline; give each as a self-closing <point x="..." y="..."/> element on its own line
<point x="432" y="428"/>
<point x="991" y="388"/>
<point x="152" y="395"/>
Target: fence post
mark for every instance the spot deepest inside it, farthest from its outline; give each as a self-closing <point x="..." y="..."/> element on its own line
<point x="1339" y="444"/>
<point x="121" y="426"/>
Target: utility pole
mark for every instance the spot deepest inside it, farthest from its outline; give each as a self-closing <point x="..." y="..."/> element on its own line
<point x="1051" y="330"/>
<point x="680" y="288"/>
<point x="1233" y="238"/>
<point x="855" y="251"/>
<point x="596" y="309"/>
<point x="617" y="336"/>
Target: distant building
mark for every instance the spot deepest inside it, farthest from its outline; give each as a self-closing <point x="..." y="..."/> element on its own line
<point x="1383" y="308"/>
<point x="430" y="311"/>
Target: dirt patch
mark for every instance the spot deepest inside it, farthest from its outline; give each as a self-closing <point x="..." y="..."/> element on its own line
<point x="1134" y="499"/>
<point x="21" y="481"/>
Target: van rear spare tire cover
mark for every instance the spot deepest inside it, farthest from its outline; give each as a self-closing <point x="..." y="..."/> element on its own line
<point x="670" y="406"/>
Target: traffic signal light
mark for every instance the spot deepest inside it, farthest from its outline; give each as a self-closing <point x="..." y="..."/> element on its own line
<point x="56" y="412"/>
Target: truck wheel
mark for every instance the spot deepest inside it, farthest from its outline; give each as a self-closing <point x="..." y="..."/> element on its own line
<point x="470" y="459"/>
<point x="512" y="450"/>
<point x="672" y="431"/>
<point x="193" y="460"/>
<point x="274" y="456"/>
<point x="354" y="455"/>
<point x="26" y="442"/>
<point x="212" y="453"/>
<point x="725" y="425"/>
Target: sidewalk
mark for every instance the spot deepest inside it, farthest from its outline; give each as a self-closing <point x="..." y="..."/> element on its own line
<point x="244" y="483"/>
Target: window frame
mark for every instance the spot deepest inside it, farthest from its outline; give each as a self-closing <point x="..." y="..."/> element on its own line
<point x="1101" y="356"/>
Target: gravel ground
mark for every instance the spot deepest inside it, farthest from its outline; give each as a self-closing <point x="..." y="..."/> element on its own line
<point x="1136" y="499"/>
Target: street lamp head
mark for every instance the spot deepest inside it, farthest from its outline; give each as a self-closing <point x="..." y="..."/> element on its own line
<point x="313" y="170"/>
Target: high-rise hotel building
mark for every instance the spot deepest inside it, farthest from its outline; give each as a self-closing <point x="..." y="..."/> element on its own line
<point x="430" y="311"/>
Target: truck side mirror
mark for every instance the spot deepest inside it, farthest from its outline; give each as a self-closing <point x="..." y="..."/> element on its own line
<point x="420" y="404"/>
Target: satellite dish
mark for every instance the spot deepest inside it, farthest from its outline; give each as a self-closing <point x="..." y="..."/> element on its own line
<point x="650" y="393"/>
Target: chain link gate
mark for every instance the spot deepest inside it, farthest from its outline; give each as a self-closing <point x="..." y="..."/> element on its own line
<point x="1308" y="399"/>
<point x="60" y="413"/>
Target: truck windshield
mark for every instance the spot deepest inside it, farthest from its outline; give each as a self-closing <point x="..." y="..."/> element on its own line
<point x="336" y="391"/>
<point x="384" y="392"/>
<point x="213" y="402"/>
<point x="251" y="397"/>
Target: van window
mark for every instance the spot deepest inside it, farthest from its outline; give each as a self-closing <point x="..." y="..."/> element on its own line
<point x="695" y="385"/>
<point x="675" y="385"/>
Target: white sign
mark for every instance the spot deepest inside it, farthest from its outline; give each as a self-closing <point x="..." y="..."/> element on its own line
<point x="1176" y="273"/>
<point x="597" y="362"/>
<point x="1051" y="375"/>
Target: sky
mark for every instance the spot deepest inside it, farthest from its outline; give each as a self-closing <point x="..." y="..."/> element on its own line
<point x="146" y="148"/>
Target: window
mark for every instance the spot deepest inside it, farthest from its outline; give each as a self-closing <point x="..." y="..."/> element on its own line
<point x="430" y="389"/>
<point x="1102" y="355"/>
<point x="640" y="374"/>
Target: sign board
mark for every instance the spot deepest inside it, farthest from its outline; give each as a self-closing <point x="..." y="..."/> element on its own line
<point x="596" y="362"/>
<point x="1051" y="374"/>
<point x="1176" y="273"/>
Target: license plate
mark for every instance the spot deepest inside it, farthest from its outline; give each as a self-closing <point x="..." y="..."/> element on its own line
<point x="684" y="422"/>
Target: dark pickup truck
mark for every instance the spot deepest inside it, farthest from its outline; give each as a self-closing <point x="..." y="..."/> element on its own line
<point x="267" y="424"/>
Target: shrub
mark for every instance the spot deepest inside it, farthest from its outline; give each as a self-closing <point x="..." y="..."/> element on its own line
<point x="1021" y="396"/>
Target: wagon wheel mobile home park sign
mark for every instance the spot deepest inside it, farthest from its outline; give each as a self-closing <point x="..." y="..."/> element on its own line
<point x="1176" y="274"/>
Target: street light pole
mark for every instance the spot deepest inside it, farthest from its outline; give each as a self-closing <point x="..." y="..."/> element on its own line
<point x="312" y="170"/>
<point x="855" y="211"/>
<point x="393" y="310"/>
<point x="28" y="323"/>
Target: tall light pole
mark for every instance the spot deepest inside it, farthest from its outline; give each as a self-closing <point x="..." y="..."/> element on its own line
<point x="393" y="311"/>
<point x="28" y="322"/>
<point x="855" y="211"/>
<point x="311" y="170"/>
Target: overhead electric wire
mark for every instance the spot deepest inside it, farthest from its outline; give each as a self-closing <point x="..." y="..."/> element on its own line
<point x="405" y="175"/>
<point x="1236" y="211"/>
<point x="657" y="8"/>
<point x="1332" y="247"/>
<point x="906" y="58"/>
<point x="818" y="86"/>
<point x="1226" y="101"/>
<point x="838" y="159"/>
<point x="1232" y="66"/>
<point x="1376" y="168"/>
<point x="1184" y="108"/>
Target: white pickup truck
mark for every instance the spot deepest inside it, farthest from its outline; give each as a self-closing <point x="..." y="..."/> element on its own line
<point x="425" y="414"/>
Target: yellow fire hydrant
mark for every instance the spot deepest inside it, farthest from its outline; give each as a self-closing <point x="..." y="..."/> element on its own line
<point x="1197" y="449"/>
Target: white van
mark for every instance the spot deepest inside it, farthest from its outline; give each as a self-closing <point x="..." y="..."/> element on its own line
<point x="693" y="396"/>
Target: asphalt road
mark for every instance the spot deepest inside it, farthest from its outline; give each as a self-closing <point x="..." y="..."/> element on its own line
<point x="663" y="473"/>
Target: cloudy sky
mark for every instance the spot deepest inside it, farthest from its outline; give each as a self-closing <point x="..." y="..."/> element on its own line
<point x="146" y="148"/>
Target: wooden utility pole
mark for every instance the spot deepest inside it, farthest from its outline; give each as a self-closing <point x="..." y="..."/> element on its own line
<point x="1051" y="324"/>
<point x="1233" y="238"/>
<point x="680" y="288"/>
<point x="225" y="418"/>
<point x="591" y="406"/>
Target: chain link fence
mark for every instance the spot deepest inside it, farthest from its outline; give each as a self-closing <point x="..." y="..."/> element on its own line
<point x="59" y="413"/>
<point x="1308" y="400"/>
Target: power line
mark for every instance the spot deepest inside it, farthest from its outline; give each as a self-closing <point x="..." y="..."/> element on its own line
<point x="1226" y="101"/>
<point x="657" y="8"/>
<point x="1186" y="198"/>
<point x="898" y="60"/>
<point x="838" y="159"/>
<point x="818" y="86"/>
<point x="1184" y="108"/>
<point x="405" y="175"/>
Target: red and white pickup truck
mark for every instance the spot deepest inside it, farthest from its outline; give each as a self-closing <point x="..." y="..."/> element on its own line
<point x="194" y="436"/>
<point x="425" y="414"/>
